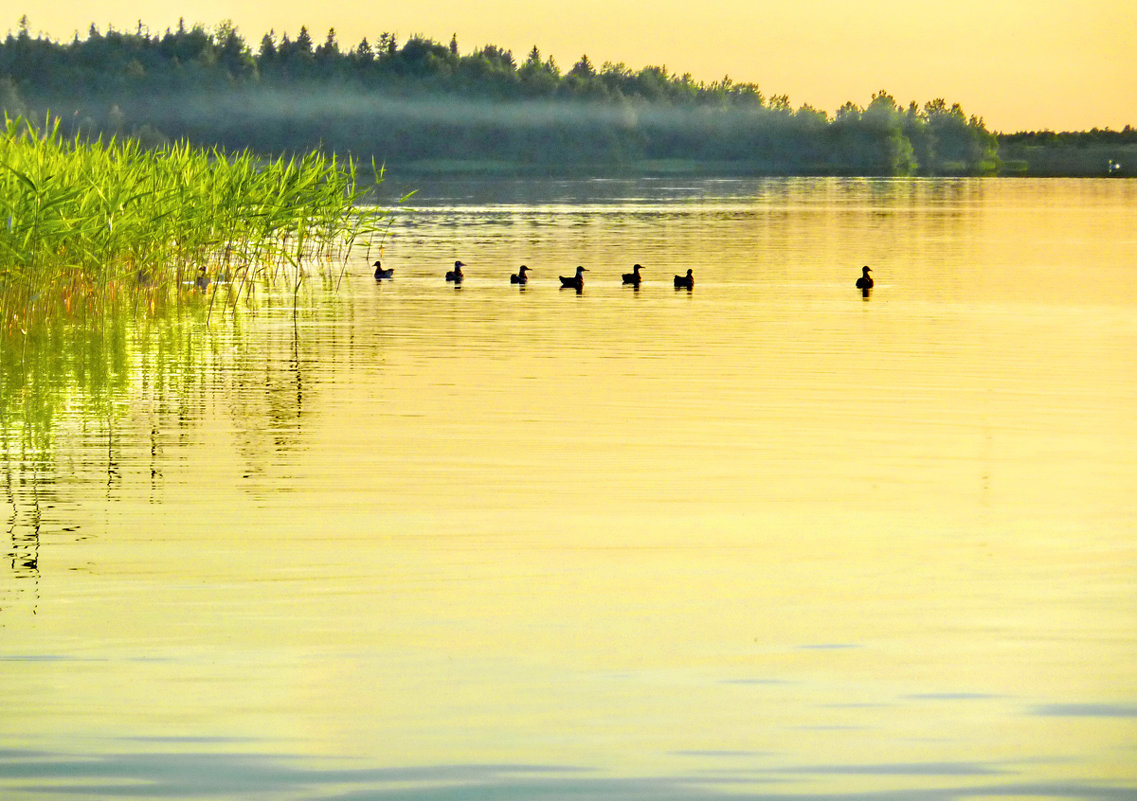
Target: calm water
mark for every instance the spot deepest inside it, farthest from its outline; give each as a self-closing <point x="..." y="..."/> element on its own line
<point x="765" y="539"/>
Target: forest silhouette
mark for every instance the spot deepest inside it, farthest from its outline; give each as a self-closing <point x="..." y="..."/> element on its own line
<point x="423" y="104"/>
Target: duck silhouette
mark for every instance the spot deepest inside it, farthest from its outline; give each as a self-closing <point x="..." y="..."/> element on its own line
<point x="455" y="275"/>
<point x="380" y="273"/>
<point x="685" y="281"/>
<point x="864" y="282"/>
<point x="574" y="282"/>
<point x="633" y="277"/>
<point x="520" y="277"/>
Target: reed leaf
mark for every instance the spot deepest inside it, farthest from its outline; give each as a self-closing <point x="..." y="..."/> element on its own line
<point x="91" y="218"/>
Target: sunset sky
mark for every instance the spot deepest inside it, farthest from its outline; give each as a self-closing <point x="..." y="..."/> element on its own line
<point x="1019" y="64"/>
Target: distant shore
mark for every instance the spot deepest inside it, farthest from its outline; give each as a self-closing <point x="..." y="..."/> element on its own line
<point x="1032" y="162"/>
<point x="1058" y="161"/>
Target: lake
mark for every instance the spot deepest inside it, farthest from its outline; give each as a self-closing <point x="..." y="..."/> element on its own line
<point x="766" y="538"/>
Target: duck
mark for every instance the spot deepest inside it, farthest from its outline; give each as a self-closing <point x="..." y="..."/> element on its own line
<point x="519" y="277"/>
<point x="685" y="281"/>
<point x="864" y="282"/>
<point x="202" y="280"/>
<point x="633" y="277"/>
<point x="455" y="275"/>
<point x="574" y="282"/>
<point x="380" y="273"/>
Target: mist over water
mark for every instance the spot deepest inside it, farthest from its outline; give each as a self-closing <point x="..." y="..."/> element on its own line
<point x="340" y="107"/>
<point x="498" y="129"/>
<point x="764" y="539"/>
<point x="421" y="109"/>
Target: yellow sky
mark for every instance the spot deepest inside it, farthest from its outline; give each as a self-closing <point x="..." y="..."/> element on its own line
<point x="1025" y="64"/>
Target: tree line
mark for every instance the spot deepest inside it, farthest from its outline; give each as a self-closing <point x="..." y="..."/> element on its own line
<point x="422" y="101"/>
<point x="1093" y="153"/>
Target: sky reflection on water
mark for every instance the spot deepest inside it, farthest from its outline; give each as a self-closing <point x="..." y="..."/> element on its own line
<point x="253" y="775"/>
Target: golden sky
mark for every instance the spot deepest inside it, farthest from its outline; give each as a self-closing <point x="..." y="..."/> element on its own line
<point x="1019" y="64"/>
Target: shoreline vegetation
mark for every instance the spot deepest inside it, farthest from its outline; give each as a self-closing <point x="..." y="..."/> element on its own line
<point x="432" y="109"/>
<point x="88" y="226"/>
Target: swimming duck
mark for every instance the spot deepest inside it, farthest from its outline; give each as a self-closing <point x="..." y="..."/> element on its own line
<point x="633" y="277"/>
<point x="575" y="282"/>
<point x="380" y="273"/>
<point x="685" y="281"/>
<point x="202" y="280"/>
<point x="864" y="282"/>
<point x="455" y="275"/>
<point x="519" y="277"/>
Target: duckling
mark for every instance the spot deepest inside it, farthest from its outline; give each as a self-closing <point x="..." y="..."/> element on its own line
<point x="455" y="275"/>
<point x="380" y="273"/>
<point x="575" y="282"/>
<point x="633" y="277"/>
<point x="202" y="280"/>
<point x="520" y="277"/>
<point x="864" y="282"/>
<point x="685" y="281"/>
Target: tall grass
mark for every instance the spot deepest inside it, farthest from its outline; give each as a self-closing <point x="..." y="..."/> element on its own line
<point x="82" y="223"/>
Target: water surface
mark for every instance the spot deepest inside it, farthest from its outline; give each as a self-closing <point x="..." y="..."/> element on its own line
<point x="767" y="538"/>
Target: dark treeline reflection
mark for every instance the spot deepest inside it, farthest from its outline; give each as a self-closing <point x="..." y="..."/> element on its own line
<point x="420" y="101"/>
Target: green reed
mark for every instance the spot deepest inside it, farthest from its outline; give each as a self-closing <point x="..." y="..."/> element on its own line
<point x="85" y="222"/>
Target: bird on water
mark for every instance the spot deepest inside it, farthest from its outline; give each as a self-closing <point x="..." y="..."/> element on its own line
<point x="574" y="282"/>
<point x="520" y="277"/>
<point x="864" y="282"/>
<point x="685" y="281"/>
<point x="455" y="275"/>
<point x="380" y="273"/>
<point x="202" y="280"/>
<point x="633" y="277"/>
